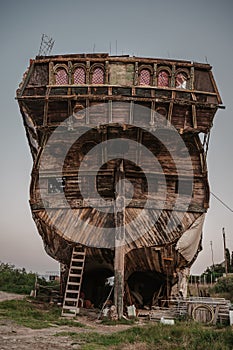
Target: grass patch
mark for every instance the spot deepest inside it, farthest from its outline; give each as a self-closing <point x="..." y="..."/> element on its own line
<point x="33" y="315"/>
<point x="152" y="336"/>
<point x="182" y="336"/>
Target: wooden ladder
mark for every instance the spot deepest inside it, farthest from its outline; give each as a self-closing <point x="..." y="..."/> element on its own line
<point x="70" y="306"/>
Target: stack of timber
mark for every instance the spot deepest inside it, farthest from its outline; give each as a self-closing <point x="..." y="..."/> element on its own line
<point x="209" y="310"/>
<point x="203" y="309"/>
<point x="200" y="309"/>
<point x="118" y="97"/>
<point x="158" y="313"/>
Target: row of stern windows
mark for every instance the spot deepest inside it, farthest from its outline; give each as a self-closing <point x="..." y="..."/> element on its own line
<point x="145" y="77"/>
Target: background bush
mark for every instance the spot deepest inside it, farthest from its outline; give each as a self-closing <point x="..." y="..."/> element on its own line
<point x="16" y="280"/>
<point x="224" y="287"/>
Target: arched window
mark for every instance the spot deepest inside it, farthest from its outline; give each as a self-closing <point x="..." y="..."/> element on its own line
<point x="181" y="80"/>
<point x="163" y="78"/>
<point x="79" y="76"/>
<point x="98" y="76"/>
<point x="144" y="77"/>
<point x="61" y="77"/>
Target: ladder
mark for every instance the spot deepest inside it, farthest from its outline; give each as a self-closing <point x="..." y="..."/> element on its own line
<point x="70" y="306"/>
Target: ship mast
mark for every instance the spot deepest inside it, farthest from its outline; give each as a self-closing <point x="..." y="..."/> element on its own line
<point x="119" y="216"/>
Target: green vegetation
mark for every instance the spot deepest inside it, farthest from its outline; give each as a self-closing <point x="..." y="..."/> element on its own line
<point x="214" y="272"/>
<point x="15" y="280"/>
<point x="223" y="288"/>
<point x="34" y="315"/>
<point x="182" y="336"/>
<point x="151" y="336"/>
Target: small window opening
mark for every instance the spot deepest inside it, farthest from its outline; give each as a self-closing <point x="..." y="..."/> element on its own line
<point x="163" y="78"/>
<point x="79" y="76"/>
<point x="144" y="77"/>
<point x="181" y="81"/>
<point x="61" y="77"/>
<point x="98" y="76"/>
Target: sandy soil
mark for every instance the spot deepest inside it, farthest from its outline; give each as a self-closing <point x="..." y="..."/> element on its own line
<point x="17" y="337"/>
<point x="10" y="296"/>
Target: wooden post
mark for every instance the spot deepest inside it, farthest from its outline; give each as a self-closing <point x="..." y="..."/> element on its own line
<point x="119" y="261"/>
<point x="212" y="270"/>
<point x="224" y="245"/>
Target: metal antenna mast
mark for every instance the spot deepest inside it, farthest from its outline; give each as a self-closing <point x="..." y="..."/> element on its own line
<point x="212" y="253"/>
<point x="225" y="250"/>
<point x="46" y="45"/>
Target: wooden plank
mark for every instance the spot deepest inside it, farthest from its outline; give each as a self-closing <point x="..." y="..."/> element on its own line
<point x="119" y="260"/>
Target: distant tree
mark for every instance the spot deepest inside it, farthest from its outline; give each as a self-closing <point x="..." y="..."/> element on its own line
<point x="16" y="280"/>
<point x="224" y="285"/>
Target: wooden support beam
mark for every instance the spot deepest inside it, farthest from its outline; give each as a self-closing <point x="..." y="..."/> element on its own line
<point x="46" y="106"/>
<point x="131" y="112"/>
<point x="136" y="74"/>
<point x="194" y="116"/>
<point x="169" y="117"/>
<point x="139" y="143"/>
<point x="26" y="80"/>
<point x="119" y="261"/>
<point x="87" y="110"/>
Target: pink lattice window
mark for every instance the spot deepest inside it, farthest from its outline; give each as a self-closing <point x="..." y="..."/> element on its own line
<point x="98" y="76"/>
<point x="61" y="77"/>
<point x="79" y="76"/>
<point x="144" y="77"/>
<point x="163" y="78"/>
<point x="181" y="81"/>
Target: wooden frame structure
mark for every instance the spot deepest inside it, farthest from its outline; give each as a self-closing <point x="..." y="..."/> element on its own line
<point x="142" y="263"/>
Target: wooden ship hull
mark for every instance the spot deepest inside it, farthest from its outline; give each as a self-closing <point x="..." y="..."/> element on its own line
<point x="166" y="106"/>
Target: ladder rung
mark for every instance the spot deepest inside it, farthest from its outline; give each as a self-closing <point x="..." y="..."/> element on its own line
<point x="79" y="253"/>
<point x="75" y="272"/>
<point x="79" y="257"/>
<point x="70" y="299"/>
<point x="69" y="307"/>
<point x="78" y="260"/>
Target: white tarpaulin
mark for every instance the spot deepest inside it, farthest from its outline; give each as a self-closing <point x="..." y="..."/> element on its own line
<point x="189" y="242"/>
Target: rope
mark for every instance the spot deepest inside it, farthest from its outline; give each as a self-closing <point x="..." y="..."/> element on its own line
<point x="225" y="205"/>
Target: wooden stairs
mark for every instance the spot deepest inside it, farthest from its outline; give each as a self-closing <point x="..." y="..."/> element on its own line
<point x="70" y="306"/>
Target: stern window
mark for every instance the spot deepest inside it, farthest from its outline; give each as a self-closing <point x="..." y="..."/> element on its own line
<point x="98" y="76"/>
<point x="79" y="76"/>
<point x="163" y="78"/>
<point x="61" y="77"/>
<point x="144" y="77"/>
<point x="181" y="81"/>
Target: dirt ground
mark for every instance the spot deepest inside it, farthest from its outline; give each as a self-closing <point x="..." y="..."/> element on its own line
<point x="17" y="337"/>
<point x="10" y="296"/>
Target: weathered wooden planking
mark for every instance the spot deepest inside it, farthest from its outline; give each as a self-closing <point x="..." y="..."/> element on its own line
<point x="45" y="106"/>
